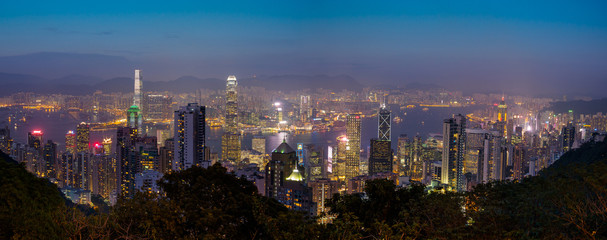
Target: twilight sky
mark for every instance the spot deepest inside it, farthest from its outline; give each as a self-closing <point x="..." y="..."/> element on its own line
<point x="552" y="47"/>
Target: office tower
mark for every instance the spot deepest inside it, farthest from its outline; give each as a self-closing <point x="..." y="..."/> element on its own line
<point x="259" y="144"/>
<point x="70" y="142"/>
<point x="314" y="164"/>
<point x="380" y="158"/>
<point x="568" y="136"/>
<point x="165" y="162"/>
<point x="189" y="142"/>
<point x="107" y="146"/>
<point x="281" y="165"/>
<point x="502" y="118"/>
<point x="34" y="140"/>
<point x="82" y="137"/>
<point x="126" y="160"/>
<point x="454" y="145"/>
<point x="403" y="154"/>
<point x="138" y="87"/>
<point x="6" y="142"/>
<point x="383" y="124"/>
<point x="304" y="108"/>
<point x="49" y="154"/>
<point x="230" y="142"/>
<point x="353" y="131"/>
<point x="133" y="117"/>
<point x="339" y="167"/>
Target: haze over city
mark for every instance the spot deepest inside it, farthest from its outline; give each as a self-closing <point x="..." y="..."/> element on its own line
<point x="536" y="48"/>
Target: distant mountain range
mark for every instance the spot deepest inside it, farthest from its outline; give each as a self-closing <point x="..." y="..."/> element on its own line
<point x="82" y="74"/>
<point x="84" y="85"/>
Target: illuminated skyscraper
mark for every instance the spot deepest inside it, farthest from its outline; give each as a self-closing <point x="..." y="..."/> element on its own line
<point x="189" y="141"/>
<point x="34" y="140"/>
<point x="304" y="108"/>
<point x="70" y="142"/>
<point x="383" y="124"/>
<point x="107" y="146"/>
<point x="380" y="159"/>
<point x="133" y="117"/>
<point x="502" y="117"/>
<point x="454" y="145"/>
<point x="82" y="137"/>
<point x="568" y="136"/>
<point x="6" y="142"/>
<point x="281" y="165"/>
<point x="353" y="131"/>
<point x="259" y="144"/>
<point x="138" y="87"/>
<point x="502" y="111"/>
<point x="127" y="160"/>
<point x="230" y="142"/>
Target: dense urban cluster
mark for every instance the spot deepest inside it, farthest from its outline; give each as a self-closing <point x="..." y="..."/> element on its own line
<point x="147" y="135"/>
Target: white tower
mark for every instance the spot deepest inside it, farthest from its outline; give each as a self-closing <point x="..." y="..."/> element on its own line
<point x="138" y="86"/>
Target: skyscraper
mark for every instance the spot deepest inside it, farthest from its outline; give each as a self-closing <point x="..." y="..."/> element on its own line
<point x="50" y="159"/>
<point x="383" y="124"/>
<point x="353" y="131"/>
<point x="133" y="117"/>
<point x="82" y="137"/>
<point x="502" y="118"/>
<point x="568" y="135"/>
<point x="281" y="165"/>
<point x="259" y="144"/>
<point x="34" y="140"/>
<point x="454" y="145"/>
<point x="138" y="87"/>
<point x="304" y="108"/>
<point x="380" y="158"/>
<point x="126" y="159"/>
<point x="230" y="142"/>
<point x="70" y="142"/>
<point x="189" y="141"/>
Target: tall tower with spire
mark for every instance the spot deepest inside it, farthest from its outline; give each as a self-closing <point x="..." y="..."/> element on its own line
<point x="502" y="116"/>
<point x="136" y="120"/>
<point x="383" y="123"/>
<point x="230" y="141"/>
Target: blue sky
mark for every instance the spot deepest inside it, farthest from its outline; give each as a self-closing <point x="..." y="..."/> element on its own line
<point x="452" y="43"/>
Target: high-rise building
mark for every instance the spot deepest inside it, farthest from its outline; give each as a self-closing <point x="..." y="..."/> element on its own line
<point x="304" y="108"/>
<point x="403" y="154"/>
<point x="380" y="156"/>
<point x="50" y="159"/>
<point x="353" y="131"/>
<point x="133" y="117"/>
<point x="126" y="160"/>
<point x="82" y="137"/>
<point x="189" y="141"/>
<point x="454" y="145"/>
<point x="568" y="136"/>
<point x="70" y="142"/>
<point x="281" y="165"/>
<point x="502" y="117"/>
<point x="34" y="140"/>
<point x="259" y="144"/>
<point x="138" y="86"/>
<point x="6" y="142"/>
<point x="230" y="142"/>
<point x="383" y="124"/>
<point x="107" y="146"/>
